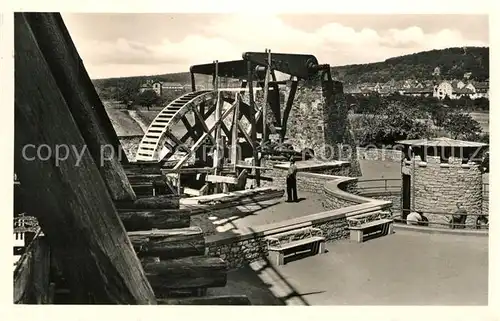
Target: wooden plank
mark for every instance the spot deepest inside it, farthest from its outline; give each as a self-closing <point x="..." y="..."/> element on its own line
<point x="83" y="102"/>
<point x="210" y="300"/>
<point x="188" y="170"/>
<point x="69" y="199"/>
<point x="169" y="244"/>
<point x="154" y="202"/>
<point x="191" y="191"/>
<point x="233" y="196"/>
<point x="221" y="179"/>
<point x="137" y="220"/>
<point x="186" y="273"/>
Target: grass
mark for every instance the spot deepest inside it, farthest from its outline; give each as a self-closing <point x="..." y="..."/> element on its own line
<point x="483" y="119"/>
<point x="123" y="123"/>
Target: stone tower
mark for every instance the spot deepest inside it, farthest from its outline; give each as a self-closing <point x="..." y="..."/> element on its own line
<point x="441" y="173"/>
<point x="319" y="118"/>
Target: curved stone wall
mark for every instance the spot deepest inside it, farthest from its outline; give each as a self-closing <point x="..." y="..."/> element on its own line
<point x="438" y="186"/>
<point x="248" y="245"/>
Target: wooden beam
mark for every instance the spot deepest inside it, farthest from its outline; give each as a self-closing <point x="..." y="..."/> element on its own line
<point x="53" y="38"/>
<point x="221" y="179"/>
<point x="245" y="135"/>
<point x="186" y="273"/>
<point x="169" y="244"/>
<point x="234" y="138"/>
<point x="69" y="198"/>
<point x="288" y="108"/>
<point x="203" y="124"/>
<point x="139" y="220"/>
<point x="209" y="300"/>
<point x="80" y="96"/>
<point x="202" y="138"/>
<point x="154" y="202"/>
<point x="177" y="141"/>
<point x="266" y="92"/>
<point x="253" y="125"/>
<point x="188" y="170"/>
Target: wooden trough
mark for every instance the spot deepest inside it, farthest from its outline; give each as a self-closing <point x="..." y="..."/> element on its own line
<point x="90" y="252"/>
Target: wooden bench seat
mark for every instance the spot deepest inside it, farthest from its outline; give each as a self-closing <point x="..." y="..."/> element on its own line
<point x="372" y="229"/>
<point x="279" y="250"/>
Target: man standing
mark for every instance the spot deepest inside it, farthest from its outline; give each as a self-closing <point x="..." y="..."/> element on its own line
<point x="291" y="182"/>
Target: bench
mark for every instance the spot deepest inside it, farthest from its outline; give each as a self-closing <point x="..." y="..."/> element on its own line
<point x="282" y="245"/>
<point x="371" y="229"/>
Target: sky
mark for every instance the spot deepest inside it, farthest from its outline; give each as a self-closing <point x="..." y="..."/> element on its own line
<point x="133" y="44"/>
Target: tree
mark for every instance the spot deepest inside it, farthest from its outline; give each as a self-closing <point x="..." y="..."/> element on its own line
<point x="127" y="94"/>
<point x="439" y="113"/>
<point x="397" y="121"/>
<point x="462" y="125"/>
<point x="148" y="98"/>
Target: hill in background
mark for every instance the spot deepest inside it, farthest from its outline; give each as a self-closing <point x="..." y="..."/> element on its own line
<point x="453" y="63"/>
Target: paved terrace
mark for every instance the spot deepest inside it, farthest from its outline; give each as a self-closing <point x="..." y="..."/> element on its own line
<point x="406" y="268"/>
<point x="260" y="213"/>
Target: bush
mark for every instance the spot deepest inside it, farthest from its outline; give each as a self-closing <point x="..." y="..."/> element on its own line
<point x="463" y="126"/>
<point x="397" y="121"/>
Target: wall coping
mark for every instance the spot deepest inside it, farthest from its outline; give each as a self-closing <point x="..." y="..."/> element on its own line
<point x="437" y="230"/>
<point x="308" y="165"/>
<point x="365" y="205"/>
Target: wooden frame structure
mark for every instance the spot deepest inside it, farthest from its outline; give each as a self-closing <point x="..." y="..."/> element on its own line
<point x="256" y="71"/>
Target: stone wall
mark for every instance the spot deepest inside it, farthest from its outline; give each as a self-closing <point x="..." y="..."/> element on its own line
<point x="305" y="126"/>
<point x="378" y="154"/>
<point x="308" y="180"/>
<point x="238" y="252"/>
<point x="437" y="187"/>
<point x="130" y="145"/>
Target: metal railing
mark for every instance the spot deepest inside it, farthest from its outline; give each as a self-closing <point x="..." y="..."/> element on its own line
<point x="377" y="185"/>
<point x="447" y="220"/>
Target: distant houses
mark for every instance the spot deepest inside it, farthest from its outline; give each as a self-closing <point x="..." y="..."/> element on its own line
<point x="161" y="87"/>
<point x="454" y="89"/>
<point x="458" y="89"/>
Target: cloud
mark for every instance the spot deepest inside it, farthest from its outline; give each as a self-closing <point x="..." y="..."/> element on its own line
<point x="228" y="37"/>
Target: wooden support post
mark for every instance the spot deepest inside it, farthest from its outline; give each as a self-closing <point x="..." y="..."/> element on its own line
<point x="253" y="135"/>
<point x="84" y="103"/>
<point x="193" y="83"/>
<point x="179" y="189"/>
<point x="234" y="138"/>
<point x="69" y="197"/>
<point x="266" y="92"/>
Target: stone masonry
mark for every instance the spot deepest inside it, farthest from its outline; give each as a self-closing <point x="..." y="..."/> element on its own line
<point x="437" y="187"/>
